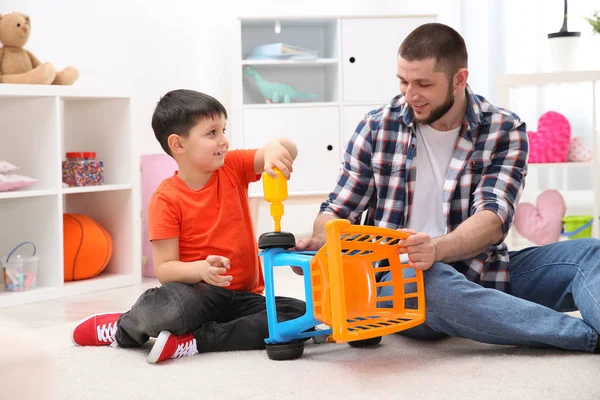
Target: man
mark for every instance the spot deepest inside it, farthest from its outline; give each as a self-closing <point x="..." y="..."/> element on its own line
<point x="449" y="167"/>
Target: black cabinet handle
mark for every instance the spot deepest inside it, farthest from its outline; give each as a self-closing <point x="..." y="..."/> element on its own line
<point x="352" y="59"/>
<point x="329" y="147"/>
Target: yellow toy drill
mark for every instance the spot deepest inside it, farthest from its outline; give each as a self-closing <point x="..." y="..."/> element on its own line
<point x="275" y="192"/>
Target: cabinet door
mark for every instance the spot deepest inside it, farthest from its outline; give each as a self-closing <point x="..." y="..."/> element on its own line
<point x="316" y="132"/>
<point x="351" y="116"/>
<point x="369" y="54"/>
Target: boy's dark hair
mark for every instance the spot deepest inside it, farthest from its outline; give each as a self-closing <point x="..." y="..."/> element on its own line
<point x="439" y="41"/>
<point x="179" y="110"/>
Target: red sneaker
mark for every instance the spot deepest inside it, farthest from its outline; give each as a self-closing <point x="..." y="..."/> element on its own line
<point x="96" y="330"/>
<point x="169" y="346"/>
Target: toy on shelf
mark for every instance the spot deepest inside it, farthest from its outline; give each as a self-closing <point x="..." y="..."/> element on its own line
<point x="281" y="51"/>
<point x="275" y="92"/>
<point x="550" y="144"/>
<point x="81" y="168"/>
<point x="578" y="226"/>
<point x="18" y="65"/>
<point x="340" y="285"/>
<point x="578" y="151"/>
<point x="541" y="223"/>
<point x="87" y="247"/>
<point x="20" y="272"/>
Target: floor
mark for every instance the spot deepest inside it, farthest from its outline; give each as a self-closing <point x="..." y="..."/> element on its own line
<point x="400" y="367"/>
<point x="70" y="309"/>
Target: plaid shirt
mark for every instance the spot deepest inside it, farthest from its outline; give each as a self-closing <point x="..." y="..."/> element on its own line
<point x="487" y="172"/>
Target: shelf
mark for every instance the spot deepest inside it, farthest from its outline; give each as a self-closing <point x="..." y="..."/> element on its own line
<point x="29" y="91"/>
<point x="292" y="63"/>
<point x="87" y="128"/>
<point x="290" y="105"/>
<point x="98" y="188"/>
<point x="318" y="80"/>
<point x="101" y="282"/>
<point x="576" y="198"/>
<point x="17" y="194"/>
<point x="548" y="78"/>
<point x="28" y="138"/>
<point x="114" y="211"/>
<point x="315" y="34"/>
<point x="39" y="124"/>
<point x="588" y="164"/>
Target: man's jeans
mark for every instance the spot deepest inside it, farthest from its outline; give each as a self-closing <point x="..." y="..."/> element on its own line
<point x="545" y="282"/>
<point x="219" y="318"/>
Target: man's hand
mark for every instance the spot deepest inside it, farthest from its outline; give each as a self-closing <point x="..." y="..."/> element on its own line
<point x="213" y="270"/>
<point x="420" y="248"/>
<point x="277" y="156"/>
<point x="309" y="244"/>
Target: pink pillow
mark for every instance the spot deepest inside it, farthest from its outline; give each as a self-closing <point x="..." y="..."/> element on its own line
<point x="578" y="152"/>
<point x="155" y="168"/>
<point x="6" y="167"/>
<point x="13" y="181"/>
<point x="542" y="223"/>
<point x="550" y="144"/>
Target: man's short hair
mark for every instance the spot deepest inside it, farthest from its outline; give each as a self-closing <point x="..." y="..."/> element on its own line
<point x="438" y="41"/>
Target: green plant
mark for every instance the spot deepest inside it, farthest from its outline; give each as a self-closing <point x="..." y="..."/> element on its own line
<point x="595" y="22"/>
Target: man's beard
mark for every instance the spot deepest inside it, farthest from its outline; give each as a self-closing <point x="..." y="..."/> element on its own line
<point x="439" y="111"/>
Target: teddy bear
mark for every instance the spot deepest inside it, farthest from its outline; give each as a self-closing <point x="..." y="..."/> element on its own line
<point x="18" y="65"/>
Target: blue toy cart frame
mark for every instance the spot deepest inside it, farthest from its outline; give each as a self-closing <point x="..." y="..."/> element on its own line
<point x="299" y="328"/>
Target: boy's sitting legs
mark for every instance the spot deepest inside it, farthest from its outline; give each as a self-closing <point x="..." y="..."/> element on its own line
<point x="244" y="325"/>
<point x="219" y="318"/>
<point x="174" y="307"/>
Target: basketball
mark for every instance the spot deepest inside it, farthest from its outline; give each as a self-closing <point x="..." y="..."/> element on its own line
<point x="87" y="247"/>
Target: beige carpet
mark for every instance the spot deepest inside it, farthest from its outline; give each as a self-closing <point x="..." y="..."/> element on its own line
<point x="399" y="368"/>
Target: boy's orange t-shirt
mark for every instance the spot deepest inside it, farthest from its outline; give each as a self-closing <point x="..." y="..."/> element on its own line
<point x="214" y="220"/>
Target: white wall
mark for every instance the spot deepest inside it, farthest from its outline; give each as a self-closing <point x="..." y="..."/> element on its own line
<point x="156" y="46"/>
<point x="527" y="49"/>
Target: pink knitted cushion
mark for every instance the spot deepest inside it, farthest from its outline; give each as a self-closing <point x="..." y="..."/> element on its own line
<point x="542" y="223"/>
<point x="550" y="143"/>
<point x="578" y="151"/>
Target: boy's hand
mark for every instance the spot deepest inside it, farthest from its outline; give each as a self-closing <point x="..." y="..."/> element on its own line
<point x="213" y="271"/>
<point x="277" y="156"/>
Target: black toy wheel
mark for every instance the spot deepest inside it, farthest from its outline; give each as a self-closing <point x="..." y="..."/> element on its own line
<point x="366" y="342"/>
<point x="284" y="240"/>
<point x="285" y="351"/>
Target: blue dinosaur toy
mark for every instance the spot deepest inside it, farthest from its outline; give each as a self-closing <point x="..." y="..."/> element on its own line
<point x="275" y="92"/>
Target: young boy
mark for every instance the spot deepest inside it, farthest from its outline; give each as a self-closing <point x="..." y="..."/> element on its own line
<point x="203" y="243"/>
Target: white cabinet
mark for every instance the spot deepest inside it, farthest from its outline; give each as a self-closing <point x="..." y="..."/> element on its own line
<point x="369" y="54"/>
<point x="314" y="130"/>
<point x="38" y="125"/>
<point x="352" y="70"/>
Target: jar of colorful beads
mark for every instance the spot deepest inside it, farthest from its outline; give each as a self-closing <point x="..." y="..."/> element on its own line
<point x="82" y="169"/>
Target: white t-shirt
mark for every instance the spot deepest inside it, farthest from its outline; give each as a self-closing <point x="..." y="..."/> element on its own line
<point x="434" y="152"/>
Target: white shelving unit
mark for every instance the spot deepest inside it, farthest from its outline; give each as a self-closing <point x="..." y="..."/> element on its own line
<point x="584" y="199"/>
<point x="38" y="124"/>
<point x="354" y="72"/>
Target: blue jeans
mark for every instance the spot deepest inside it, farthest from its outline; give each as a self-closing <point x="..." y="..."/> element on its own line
<point x="545" y="282"/>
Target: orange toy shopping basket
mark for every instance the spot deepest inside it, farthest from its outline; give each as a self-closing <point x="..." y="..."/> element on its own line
<point x="345" y="288"/>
